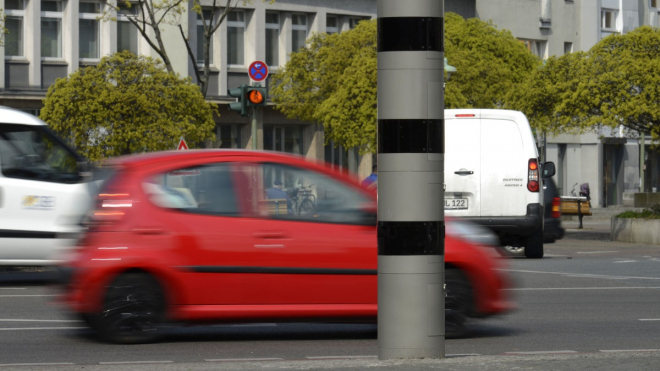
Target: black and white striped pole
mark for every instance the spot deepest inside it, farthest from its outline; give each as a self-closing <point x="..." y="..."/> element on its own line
<point x="410" y="179"/>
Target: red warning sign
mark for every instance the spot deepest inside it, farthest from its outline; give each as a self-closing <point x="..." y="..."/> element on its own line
<point x="182" y="145"/>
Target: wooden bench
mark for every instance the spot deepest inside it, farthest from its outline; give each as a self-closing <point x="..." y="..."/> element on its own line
<point x="572" y="205"/>
<point x="276" y="207"/>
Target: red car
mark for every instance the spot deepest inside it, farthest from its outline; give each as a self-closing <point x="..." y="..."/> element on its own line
<point x="240" y="236"/>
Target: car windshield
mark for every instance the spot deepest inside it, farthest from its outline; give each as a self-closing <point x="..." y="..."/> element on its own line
<point x="34" y="153"/>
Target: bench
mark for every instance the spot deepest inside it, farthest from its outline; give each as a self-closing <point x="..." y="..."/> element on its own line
<point x="274" y="207"/>
<point x="572" y="205"/>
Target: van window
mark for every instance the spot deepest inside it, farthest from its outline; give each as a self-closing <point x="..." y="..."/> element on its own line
<point x="34" y="153"/>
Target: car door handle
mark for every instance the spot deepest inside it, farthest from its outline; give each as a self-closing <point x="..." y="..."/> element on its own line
<point x="464" y="172"/>
<point x="148" y="231"/>
<point x="269" y="235"/>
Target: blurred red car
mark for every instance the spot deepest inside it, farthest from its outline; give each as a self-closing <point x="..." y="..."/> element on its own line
<point x="240" y="236"/>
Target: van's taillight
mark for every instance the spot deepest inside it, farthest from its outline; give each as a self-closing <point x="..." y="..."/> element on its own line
<point x="111" y="207"/>
<point x="556" y="207"/>
<point x="533" y="175"/>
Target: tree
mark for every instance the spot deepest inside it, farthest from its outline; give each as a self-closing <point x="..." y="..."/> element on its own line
<point x="127" y="104"/>
<point x="333" y="81"/>
<point x="614" y="83"/>
<point x="551" y="86"/>
<point x="153" y="14"/>
<point x="490" y="63"/>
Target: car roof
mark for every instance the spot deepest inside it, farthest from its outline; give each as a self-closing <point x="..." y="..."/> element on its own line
<point x="486" y="113"/>
<point x="14" y="116"/>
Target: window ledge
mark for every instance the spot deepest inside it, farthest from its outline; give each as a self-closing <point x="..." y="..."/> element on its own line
<point x="16" y="60"/>
<point x="200" y="67"/>
<point x="54" y="62"/>
<point x="237" y="69"/>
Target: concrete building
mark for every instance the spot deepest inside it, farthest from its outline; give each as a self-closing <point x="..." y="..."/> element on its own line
<point x="50" y="39"/>
<point x="606" y="159"/>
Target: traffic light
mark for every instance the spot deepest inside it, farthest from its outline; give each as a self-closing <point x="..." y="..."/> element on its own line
<point x="241" y="104"/>
<point x="256" y="96"/>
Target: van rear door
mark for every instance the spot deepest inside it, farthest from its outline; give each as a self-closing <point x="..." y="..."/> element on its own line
<point x="462" y="163"/>
<point x="504" y="168"/>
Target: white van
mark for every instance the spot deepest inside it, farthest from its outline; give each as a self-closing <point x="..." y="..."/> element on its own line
<point x="493" y="176"/>
<point x="43" y="193"/>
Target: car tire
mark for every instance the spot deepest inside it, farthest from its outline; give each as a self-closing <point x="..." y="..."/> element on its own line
<point x="133" y="309"/>
<point x="534" y="245"/>
<point x="459" y="303"/>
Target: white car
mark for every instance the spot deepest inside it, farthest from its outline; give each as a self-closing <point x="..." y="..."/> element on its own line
<point x="44" y="191"/>
<point x="493" y="175"/>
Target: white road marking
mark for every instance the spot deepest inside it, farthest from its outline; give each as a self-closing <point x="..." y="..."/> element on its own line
<point x="595" y="252"/>
<point x="626" y="261"/>
<point x="649" y="319"/>
<point x="585" y="275"/>
<point x="543" y="352"/>
<point x="243" y="359"/>
<point x="13" y="288"/>
<point x="340" y="357"/>
<point x="38" y="320"/>
<point x="629" y="350"/>
<point x="134" y="362"/>
<point x="584" y="288"/>
<point x="23" y="296"/>
<point x="41" y="328"/>
<point x="35" y="364"/>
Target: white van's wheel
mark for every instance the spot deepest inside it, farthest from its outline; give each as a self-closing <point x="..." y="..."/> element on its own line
<point x="534" y="245"/>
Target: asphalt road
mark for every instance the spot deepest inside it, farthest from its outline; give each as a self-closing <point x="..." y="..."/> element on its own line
<point x="591" y="303"/>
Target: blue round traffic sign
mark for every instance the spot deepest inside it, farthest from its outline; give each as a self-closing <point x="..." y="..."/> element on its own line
<point x="258" y="71"/>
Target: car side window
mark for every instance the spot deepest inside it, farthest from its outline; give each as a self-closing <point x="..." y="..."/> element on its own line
<point x="33" y="153"/>
<point x="202" y="190"/>
<point x="285" y="192"/>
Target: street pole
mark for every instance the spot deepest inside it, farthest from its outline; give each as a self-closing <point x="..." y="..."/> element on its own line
<point x="641" y="162"/>
<point x="254" y="127"/>
<point x="410" y="186"/>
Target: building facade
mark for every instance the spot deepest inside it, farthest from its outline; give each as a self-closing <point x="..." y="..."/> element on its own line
<point x="609" y="160"/>
<point x="50" y="39"/>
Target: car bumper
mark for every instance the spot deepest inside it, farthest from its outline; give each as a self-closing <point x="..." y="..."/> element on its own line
<point x="553" y="230"/>
<point x="523" y="225"/>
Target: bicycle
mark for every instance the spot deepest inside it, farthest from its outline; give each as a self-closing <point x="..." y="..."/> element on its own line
<point x="307" y="201"/>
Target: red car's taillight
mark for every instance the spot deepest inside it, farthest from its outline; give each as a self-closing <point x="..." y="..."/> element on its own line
<point x="556" y="207"/>
<point x="533" y="175"/>
<point x="111" y="208"/>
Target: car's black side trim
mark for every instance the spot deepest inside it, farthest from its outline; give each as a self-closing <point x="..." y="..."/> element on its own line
<point x="5" y="233"/>
<point x="279" y="270"/>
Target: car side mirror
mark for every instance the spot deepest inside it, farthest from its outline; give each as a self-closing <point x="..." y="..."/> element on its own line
<point x="548" y="169"/>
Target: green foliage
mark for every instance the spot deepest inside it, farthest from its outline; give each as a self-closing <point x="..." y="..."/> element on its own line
<point x="652" y="212"/>
<point x="333" y="81"/>
<point x="615" y="83"/>
<point x="127" y="104"/>
<point x="490" y="63"/>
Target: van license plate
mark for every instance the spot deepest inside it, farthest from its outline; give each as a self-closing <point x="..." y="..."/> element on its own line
<point x="456" y="203"/>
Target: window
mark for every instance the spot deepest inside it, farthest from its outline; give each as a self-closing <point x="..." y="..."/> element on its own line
<point x="127" y="33"/>
<point x="51" y="29"/>
<point x="14" y="39"/>
<point x="272" y="39"/>
<point x="230" y="136"/>
<point x="208" y="17"/>
<point x="608" y="19"/>
<point x="283" y="138"/>
<point x="568" y="47"/>
<point x="34" y="153"/>
<point x="331" y="24"/>
<point x="236" y="37"/>
<point x="536" y="47"/>
<point x="336" y="156"/>
<point x="353" y="22"/>
<point x="308" y="195"/>
<point x="653" y="3"/>
<point x="200" y="190"/>
<point x="299" y="32"/>
<point x="89" y="30"/>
